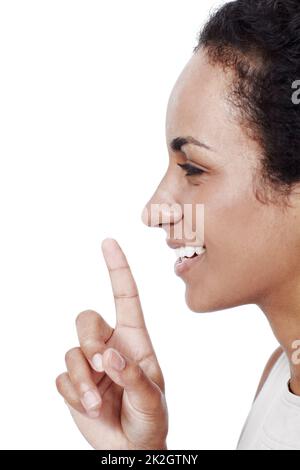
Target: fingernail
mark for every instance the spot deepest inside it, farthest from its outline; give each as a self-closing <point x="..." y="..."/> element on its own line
<point x="116" y="360"/>
<point x="90" y="400"/>
<point x="97" y="362"/>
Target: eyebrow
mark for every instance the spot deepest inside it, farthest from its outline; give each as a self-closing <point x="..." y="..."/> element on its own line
<point x="179" y="142"/>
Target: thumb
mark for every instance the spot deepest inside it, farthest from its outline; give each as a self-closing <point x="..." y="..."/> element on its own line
<point x="144" y="395"/>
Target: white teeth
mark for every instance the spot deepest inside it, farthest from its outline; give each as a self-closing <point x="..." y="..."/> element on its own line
<point x="189" y="251"/>
<point x="200" y="249"/>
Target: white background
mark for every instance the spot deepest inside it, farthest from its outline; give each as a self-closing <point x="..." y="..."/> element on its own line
<point x="83" y="93"/>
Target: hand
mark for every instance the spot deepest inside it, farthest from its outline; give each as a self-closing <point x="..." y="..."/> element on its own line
<point x="114" y="386"/>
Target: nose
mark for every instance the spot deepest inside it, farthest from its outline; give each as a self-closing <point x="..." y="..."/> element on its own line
<point x="161" y="210"/>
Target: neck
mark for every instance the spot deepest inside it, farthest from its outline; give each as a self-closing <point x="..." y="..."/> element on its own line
<point x="282" y="309"/>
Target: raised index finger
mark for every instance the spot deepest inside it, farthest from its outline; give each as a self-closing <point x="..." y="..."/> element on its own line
<point x="128" y="306"/>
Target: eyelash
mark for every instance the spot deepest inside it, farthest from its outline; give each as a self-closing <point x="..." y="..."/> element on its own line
<point x="191" y="170"/>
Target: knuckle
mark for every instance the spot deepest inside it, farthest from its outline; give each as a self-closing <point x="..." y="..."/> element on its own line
<point x="60" y="379"/>
<point x="75" y="404"/>
<point x="156" y="375"/>
<point x="76" y="379"/>
<point x="156" y="395"/>
<point x="85" y="315"/>
<point x="137" y="374"/>
<point x="90" y="345"/>
<point x="159" y="380"/>
<point x="157" y="403"/>
<point x="70" y="354"/>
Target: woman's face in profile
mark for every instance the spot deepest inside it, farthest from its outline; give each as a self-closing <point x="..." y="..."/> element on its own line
<point x="250" y="246"/>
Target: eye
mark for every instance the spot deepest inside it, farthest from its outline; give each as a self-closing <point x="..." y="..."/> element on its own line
<point x="191" y="170"/>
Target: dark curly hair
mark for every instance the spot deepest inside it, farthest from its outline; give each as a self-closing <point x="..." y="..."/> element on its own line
<point x="260" y="41"/>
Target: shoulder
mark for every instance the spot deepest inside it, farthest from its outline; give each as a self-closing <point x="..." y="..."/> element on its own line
<point x="271" y="362"/>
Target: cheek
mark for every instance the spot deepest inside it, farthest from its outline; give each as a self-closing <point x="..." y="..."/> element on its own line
<point x="230" y="228"/>
<point x="245" y="256"/>
<point x="243" y="238"/>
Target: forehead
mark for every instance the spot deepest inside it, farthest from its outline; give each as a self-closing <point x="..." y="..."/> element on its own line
<point x="197" y="105"/>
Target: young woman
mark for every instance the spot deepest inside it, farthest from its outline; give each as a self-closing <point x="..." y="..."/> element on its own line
<point x="233" y="136"/>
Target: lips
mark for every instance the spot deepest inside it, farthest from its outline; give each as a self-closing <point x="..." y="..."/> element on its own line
<point x="186" y="255"/>
<point x="182" y="265"/>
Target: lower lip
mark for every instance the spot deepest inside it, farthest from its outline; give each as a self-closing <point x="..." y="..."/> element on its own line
<point x="187" y="263"/>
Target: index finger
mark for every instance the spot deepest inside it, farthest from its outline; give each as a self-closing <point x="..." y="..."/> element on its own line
<point x="128" y="306"/>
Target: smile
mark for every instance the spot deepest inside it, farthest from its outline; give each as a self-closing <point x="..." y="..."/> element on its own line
<point x="187" y="257"/>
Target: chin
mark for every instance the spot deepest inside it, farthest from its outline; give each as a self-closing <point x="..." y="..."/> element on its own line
<point x="197" y="302"/>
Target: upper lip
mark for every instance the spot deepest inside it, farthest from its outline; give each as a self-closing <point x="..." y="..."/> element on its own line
<point x="174" y="245"/>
